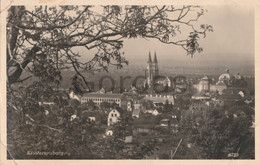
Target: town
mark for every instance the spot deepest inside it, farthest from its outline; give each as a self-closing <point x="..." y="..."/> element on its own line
<point x="153" y="115"/>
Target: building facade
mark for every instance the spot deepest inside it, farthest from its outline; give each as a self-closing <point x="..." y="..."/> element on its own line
<point x="99" y="97"/>
<point x="113" y="117"/>
<point x="205" y="85"/>
<point x="160" y="98"/>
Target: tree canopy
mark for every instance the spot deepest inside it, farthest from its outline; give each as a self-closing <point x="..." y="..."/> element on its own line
<point x="218" y="132"/>
<point x="44" y="40"/>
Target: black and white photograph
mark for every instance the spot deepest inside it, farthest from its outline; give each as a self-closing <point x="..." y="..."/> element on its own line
<point x="129" y="82"/>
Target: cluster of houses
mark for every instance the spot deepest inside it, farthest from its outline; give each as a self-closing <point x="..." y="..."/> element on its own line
<point x="128" y="102"/>
<point x="151" y="105"/>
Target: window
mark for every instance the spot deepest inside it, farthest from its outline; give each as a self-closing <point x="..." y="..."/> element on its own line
<point x="115" y="115"/>
<point x="112" y="115"/>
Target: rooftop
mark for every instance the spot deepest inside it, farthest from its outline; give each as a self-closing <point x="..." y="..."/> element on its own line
<point x="159" y="98"/>
<point x="205" y="78"/>
<point x="103" y="95"/>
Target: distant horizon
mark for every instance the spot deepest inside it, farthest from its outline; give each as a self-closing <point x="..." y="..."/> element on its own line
<point x="197" y="57"/>
<point x="231" y="42"/>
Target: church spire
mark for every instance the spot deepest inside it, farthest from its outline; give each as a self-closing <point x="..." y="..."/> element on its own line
<point x="149" y="58"/>
<point x="155" y="58"/>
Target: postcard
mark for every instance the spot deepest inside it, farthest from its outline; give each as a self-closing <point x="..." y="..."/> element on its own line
<point x="129" y="82"/>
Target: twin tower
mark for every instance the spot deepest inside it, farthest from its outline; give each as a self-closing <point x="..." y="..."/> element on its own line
<point x="152" y="70"/>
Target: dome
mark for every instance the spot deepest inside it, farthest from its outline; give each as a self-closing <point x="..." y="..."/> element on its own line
<point x="204" y="83"/>
<point x="205" y="78"/>
<point x="225" y="76"/>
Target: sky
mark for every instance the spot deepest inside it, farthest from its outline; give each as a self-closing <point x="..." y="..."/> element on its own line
<point x="232" y="39"/>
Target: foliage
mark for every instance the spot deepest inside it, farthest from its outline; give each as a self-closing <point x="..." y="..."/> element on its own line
<point x="114" y="147"/>
<point x="74" y="103"/>
<point x="114" y="105"/>
<point x="167" y="107"/>
<point x="91" y="104"/>
<point x="44" y="40"/>
<point x="217" y="132"/>
<point x="148" y="104"/>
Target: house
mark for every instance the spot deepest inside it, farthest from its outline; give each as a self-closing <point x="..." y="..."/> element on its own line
<point x="129" y="105"/>
<point x="72" y="95"/>
<point x="206" y="84"/>
<point x="159" y="105"/>
<point x="238" y="113"/>
<point x="137" y="105"/>
<point x="234" y="93"/>
<point x="207" y="103"/>
<point x="46" y="112"/>
<point x="165" y="122"/>
<point x="141" y="130"/>
<point x="174" y="116"/>
<point x="109" y="131"/>
<point x="92" y="119"/>
<point x="102" y="96"/>
<point x="113" y="117"/>
<point x="241" y="93"/>
<point x="136" y="113"/>
<point x="160" y="98"/>
<point x="46" y="101"/>
<point x="218" y="102"/>
<point x="248" y="101"/>
<point x="89" y="116"/>
<point x="199" y="97"/>
<point x="29" y="120"/>
<point x="174" y="124"/>
<point x="128" y="139"/>
<point x="72" y="117"/>
<point x="148" y="111"/>
<point x="253" y="125"/>
<point x="155" y="112"/>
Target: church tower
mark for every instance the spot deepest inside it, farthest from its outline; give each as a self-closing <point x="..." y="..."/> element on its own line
<point x="152" y="70"/>
<point x="155" y="66"/>
<point x="149" y="74"/>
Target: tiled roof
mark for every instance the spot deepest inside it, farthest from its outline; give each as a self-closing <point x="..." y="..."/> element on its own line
<point x="103" y="95"/>
<point x="159" y="99"/>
